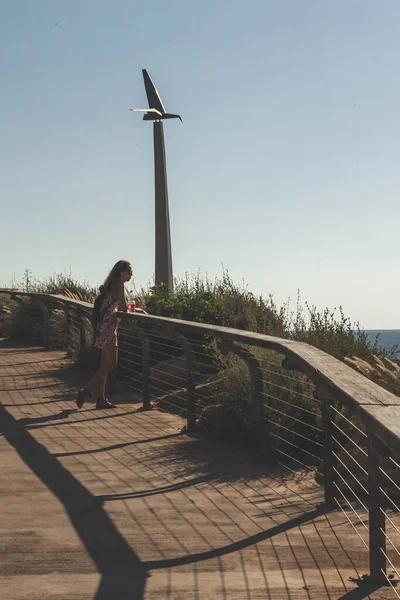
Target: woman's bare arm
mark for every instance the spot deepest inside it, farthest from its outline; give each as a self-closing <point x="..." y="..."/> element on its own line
<point x="121" y="297"/>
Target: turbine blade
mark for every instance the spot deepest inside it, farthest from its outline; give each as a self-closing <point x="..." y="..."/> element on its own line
<point x="153" y="97"/>
<point x="146" y="110"/>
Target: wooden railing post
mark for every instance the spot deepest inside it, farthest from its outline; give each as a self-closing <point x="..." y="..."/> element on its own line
<point x="329" y="459"/>
<point x="328" y="432"/>
<point x="25" y="325"/>
<point x="377" y="519"/>
<point x="45" y="324"/>
<point x="262" y="439"/>
<point x="144" y="341"/>
<point x="82" y="331"/>
<point x="67" y="310"/>
<point x="190" y="382"/>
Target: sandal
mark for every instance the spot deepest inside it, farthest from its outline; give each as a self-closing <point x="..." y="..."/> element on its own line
<point x="103" y="402"/>
<point x="82" y="396"/>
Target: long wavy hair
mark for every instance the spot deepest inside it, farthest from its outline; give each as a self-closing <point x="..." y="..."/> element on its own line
<point x="114" y="276"/>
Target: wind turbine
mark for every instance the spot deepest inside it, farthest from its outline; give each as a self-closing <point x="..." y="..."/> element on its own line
<point x="156" y="110"/>
<point x="163" y="256"/>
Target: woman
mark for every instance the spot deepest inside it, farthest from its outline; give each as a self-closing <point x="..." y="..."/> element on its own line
<point x="113" y="293"/>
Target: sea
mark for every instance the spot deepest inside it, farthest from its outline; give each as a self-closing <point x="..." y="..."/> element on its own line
<point x="387" y="338"/>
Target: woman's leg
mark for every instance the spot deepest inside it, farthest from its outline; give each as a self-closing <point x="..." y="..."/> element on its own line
<point x="98" y="378"/>
<point x="102" y="382"/>
<point x="101" y="388"/>
<point x="102" y="371"/>
<point x="110" y="355"/>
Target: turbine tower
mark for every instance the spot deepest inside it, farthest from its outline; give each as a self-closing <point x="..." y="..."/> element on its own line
<point x="163" y="255"/>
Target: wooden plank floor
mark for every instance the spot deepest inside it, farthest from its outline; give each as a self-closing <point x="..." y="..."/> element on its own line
<point x="122" y="504"/>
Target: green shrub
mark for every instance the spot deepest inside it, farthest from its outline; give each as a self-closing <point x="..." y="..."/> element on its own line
<point x="58" y="283"/>
<point x="218" y="302"/>
<point x="335" y="334"/>
<point x="222" y="302"/>
<point x="202" y="306"/>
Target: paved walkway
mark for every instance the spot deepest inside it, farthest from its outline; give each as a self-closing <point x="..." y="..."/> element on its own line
<point x="121" y="504"/>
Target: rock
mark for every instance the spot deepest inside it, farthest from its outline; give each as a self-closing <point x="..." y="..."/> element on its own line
<point x="384" y="372"/>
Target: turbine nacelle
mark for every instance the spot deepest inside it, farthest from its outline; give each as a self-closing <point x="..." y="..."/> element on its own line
<point x="156" y="110"/>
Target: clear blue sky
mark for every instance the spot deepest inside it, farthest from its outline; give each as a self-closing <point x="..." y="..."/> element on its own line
<point x="285" y="169"/>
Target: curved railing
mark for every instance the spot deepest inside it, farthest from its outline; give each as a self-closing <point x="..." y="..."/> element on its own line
<point x="301" y="408"/>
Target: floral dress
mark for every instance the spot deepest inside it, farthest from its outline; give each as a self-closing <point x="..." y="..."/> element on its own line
<point x="107" y="327"/>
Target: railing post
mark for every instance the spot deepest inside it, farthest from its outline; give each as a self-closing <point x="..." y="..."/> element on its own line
<point x="25" y="313"/>
<point x="262" y="439"/>
<point x="67" y="310"/>
<point x="190" y="382"/>
<point x="377" y="519"/>
<point x="144" y="341"/>
<point x="46" y="319"/>
<point x="329" y="460"/>
<point x="82" y="331"/>
<point x="328" y="431"/>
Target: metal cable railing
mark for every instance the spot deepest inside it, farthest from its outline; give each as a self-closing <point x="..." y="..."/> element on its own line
<point x="298" y="407"/>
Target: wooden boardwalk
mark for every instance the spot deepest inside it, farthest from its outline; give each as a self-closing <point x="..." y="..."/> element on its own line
<point x="122" y="504"/>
